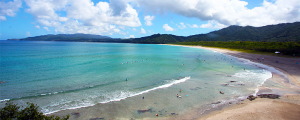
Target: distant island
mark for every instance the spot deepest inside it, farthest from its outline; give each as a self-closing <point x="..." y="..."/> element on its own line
<point x="281" y="37"/>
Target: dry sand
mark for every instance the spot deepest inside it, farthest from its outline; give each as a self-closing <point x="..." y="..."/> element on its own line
<point x="285" y="108"/>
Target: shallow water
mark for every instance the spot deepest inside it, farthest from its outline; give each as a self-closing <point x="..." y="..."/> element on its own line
<point x="65" y="75"/>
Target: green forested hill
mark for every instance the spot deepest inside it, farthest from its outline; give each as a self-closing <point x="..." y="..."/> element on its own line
<point x="275" y="33"/>
<point x="71" y="37"/>
<point x="158" y="39"/>
<point x="286" y="32"/>
<point x="282" y="37"/>
<point x="272" y="33"/>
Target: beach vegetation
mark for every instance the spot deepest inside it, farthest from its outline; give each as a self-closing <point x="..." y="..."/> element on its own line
<point x="285" y="48"/>
<point x="30" y="112"/>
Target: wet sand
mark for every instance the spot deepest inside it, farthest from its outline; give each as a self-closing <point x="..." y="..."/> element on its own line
<point x="287" y="85"/>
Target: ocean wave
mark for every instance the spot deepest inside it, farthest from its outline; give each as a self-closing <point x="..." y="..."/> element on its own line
<point x="254" y="76"/>
<point x="115" y="96"/>
<point x="4" y="100"/>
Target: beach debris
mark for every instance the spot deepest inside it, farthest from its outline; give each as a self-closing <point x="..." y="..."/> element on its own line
<point x="277" y="52"/>
<point x="232" y="81"/>
<point x="221" y="92"/>
<point x="143" y="111"/>
<point x="76" y="114"/>
<point x="271" y="96"/>
<point x="156" y="115"/>
<point x="216" y="102"/>
<point x="96" y="119"/>
<point x="251" y="97"/>
<point x="174" y="114"/>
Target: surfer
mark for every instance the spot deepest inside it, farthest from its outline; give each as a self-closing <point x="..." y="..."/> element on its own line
<point x="180" y="90"/>
<point x="221" y="92"/>
<point x="126" y="79"/>
<point x="143" y="97"/>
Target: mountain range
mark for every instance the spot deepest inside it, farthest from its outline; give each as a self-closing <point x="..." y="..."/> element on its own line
<point x="286" y="32"/>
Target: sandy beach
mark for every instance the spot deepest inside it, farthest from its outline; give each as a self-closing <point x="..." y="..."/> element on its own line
<point x="285" y="108"/>
<point x="284" y="83"/>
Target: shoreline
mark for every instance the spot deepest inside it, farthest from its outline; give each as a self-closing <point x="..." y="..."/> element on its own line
<point x="290" y="86"/>
<point x="287" y="107"/>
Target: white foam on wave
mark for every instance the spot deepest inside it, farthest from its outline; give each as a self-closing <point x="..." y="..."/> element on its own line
<point x="252" y="76"/>
<point x="115" y="96"/>
<point x="124" y="95"/>
<point x="4" y="100"/>
<point x="267" y="69"/>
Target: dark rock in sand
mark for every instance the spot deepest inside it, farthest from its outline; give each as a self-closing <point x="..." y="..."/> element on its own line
<point x="75" y="114"/>
<point x="225" y="84"/>
<point x="271" y="96"/>
<point x="251" y="97"/>
<point x="143" y="111"/>
<point x="174" y="114"/>
<point x="97" y="119"/>
<point x="216" y="102"/>
<point x="232" y="81"/>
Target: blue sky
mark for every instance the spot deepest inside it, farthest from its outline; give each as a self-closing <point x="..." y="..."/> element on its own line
<point x="138" y="18"/>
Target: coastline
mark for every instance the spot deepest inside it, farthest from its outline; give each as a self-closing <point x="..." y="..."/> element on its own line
<point x="288" y="90"/>
<point x="285" y="108"/>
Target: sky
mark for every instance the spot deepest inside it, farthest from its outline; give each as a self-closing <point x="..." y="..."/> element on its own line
<point x="138" y="18"/>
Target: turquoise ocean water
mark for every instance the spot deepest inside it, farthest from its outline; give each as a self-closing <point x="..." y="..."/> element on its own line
<point x="65" y="75"/>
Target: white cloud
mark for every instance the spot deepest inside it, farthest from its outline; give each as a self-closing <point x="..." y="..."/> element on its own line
<point x="167" y="27"/>
<point x="143" y="31"/>
<point x="213" y="25"/>
<point x="131" y="36"/>
<point x="84" y="16"/>
<point x="9" y="8"/>
<point x="46" y="28"/>
<point x="148" y="20"/>
<point x="229" y="12"/>
<point x="181" y="25"/>
<point x="194" y="26"/>
<point x="37" y="26"/>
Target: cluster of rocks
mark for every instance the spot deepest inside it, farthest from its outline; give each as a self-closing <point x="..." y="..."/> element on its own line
<point x="270" y="96"/>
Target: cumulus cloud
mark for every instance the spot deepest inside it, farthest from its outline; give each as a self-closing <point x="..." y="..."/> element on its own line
<point x="194" y="26"/>
<point x="9" y="8"/>
<point x="229" y="12"/>
<point x="143" y="31"/>
<point x="181" y="25"/>
<point x="148" y="20"/>
<point x="213" y="25"/>
<point x="167" y="27"/>
<point x="84" y="16"/>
